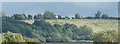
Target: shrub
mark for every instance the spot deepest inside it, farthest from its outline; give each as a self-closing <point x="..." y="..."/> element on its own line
<point x="16" y="38"/>
<point x="106" y="36"/>
<point x="12" y="37"/>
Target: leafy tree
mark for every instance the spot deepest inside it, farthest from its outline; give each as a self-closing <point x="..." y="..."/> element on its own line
<point x="49" y="15"/>
<point x="20" y="16"/>
<point x="59" y="17"/>
<point x="98" y="15"/>
<point x="39" y="23"/>
<point x="89" y="17"/>
<point x="17" y="17"/>
<point x="77" y="16"/>
<point x="39" y="16"/>
<point x="73" y="18"/>
<point x="105" y="16"/>
<point x="29" y="16"/>
<point x="66" y="17"/>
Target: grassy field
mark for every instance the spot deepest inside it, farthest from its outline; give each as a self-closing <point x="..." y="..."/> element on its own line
<point x="96" y="24"/>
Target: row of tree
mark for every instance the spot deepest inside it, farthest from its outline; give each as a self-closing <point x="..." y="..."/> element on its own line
<point x="51" y="15"/>
<point x="46" y="15"/>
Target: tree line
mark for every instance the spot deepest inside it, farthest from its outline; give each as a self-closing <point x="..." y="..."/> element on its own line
<point x="51" y="15"/>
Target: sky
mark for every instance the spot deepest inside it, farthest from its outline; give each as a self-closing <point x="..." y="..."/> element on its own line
<point x="61" y="8"/>
<point x="59" y="0"/>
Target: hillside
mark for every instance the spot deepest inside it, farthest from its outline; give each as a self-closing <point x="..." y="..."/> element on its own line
<point x="96" y="24"/>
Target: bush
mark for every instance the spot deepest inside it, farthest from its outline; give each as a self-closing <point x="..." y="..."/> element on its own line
<point x="83" y="33"/>
<point x="12" y="37"/>
<point x="16" y="38"/>
<point x="105" y="16"/>
<point x="98" y="15"/>
<point x="106" y="36"/>
<point x="85" y="30"/>
<point x="39" y="23"/>
<point x="49" y="15"/>
<point x="77" y="16"/>
<point x="20" y="16"/>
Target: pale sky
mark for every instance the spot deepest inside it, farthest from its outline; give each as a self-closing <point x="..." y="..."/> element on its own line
<point x="108" y="7"/>
<point x="60" y="0"/>
<point x="61" y="8"/>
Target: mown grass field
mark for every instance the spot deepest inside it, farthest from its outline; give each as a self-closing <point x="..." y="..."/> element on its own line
<point x="96" y="24"/>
